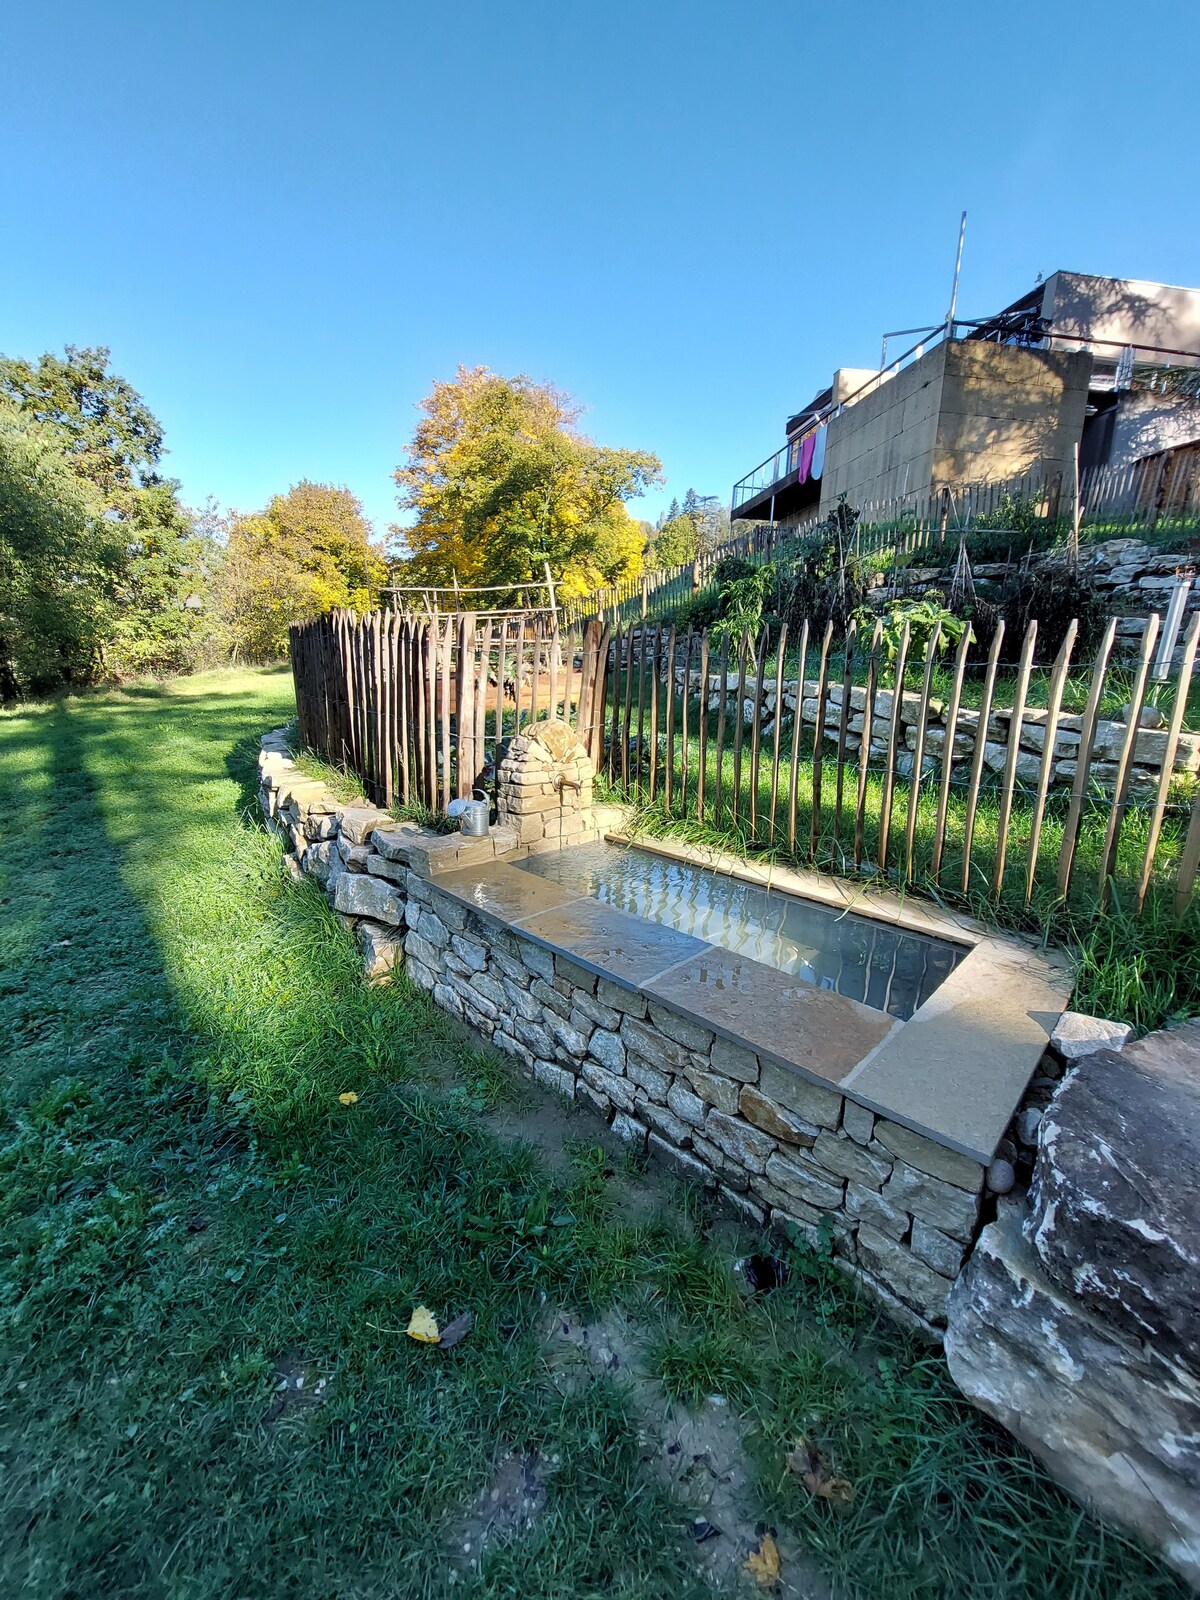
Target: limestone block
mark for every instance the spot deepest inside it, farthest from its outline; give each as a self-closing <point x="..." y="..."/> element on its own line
<point x="609" y="1049"/>
<point x="540" y="962"/>
<point x="735" y="1061"/>
<point x="592" y="1099"/>
<point x="627" y="1001"/>
<point x="323" y="861"/>
<point x="840" y="1155"/>
<point x="864" y="1205"/>
<point x="629" y="1130"/>
<point x="358" y="895"/>
<point x="359" y="822"/>
<point x="381" y="949"/>
<point x="858" y="1122"/>
<point x="665" y="1053"/>
<point x="682" y="1030"/>
<point x="569" y="1039"/>
<point x="491" y="988"/>
<point x="937" y="1249"/>
<point x="554" y="1078"/>
<point x="718" y="1161"/>
<point x="431" y="928"/>
<point x="420" y="950"/>
<point x="595" y="1010"/>
<point x="618" y="1090"/>
<point x="534" y="1036"/>
<point x="685" y="1166"/>
<point x="549" y="997"/>
<point x="797" y="1180"/>
<point x="576" y="978"/>
<point x="688" y="1107"/>
<point x="719" y="1092"/>
<point x="647" y="1077"/>
<point x="775" y="1119"/>
<point x="904" y="1273"/>
<point x="813" y="1102"/>
<point x="749" y="1147"/>
<point x="929" y="1157"/>
<point x="666" y="1123"/>
<point x="951" y="1209"/>
<point x="520" y="1000"/>
<point x="468" y="952"/>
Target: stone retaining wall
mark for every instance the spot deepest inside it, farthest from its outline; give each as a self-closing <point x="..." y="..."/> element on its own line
<point x="901" y="1211"/>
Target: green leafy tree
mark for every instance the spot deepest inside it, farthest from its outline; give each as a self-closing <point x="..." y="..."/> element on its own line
<point x="676" y="542"/>
<point x="500" y="482"/>
<point x="151" y="601"/>
<point x="308" y="552"/>
<point x="61" y="561"/>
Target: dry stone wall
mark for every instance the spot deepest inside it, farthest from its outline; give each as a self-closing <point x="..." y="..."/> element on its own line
<point x="780" y="1149"/>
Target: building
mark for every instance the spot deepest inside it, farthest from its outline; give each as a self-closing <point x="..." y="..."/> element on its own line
<point x="1106" y="367"/>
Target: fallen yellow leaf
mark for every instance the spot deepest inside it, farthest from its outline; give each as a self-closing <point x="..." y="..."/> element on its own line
<point x="763" y="1562"/>
<point x="349" y="1098"/>
<point x="807" y="1462"/>
<point x="422" y="1326"/>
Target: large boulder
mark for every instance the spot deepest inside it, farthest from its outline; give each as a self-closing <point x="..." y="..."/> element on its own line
<point x="1115" y="1198"/>
<point x="1117" y="1425"/>
<point x="1076" y="1322"/>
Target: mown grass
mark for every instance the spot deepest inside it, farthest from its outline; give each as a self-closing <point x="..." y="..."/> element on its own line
<point x="186" y="1208"/>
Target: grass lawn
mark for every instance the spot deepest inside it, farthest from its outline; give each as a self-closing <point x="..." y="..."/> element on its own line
<point x="191" y="1219"/>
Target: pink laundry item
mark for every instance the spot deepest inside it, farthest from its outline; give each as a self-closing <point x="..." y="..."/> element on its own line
<point x="806" y="455"/>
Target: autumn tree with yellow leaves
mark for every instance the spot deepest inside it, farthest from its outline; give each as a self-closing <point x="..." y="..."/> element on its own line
<point x="501" y="482"/>
<point x="309" y="551"/>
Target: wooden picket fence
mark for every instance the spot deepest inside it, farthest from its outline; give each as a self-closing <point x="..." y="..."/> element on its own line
<point x="417" y="707"/>
<point x="802" y="790"/>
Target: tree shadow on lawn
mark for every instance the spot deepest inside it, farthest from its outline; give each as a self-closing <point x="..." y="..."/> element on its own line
<point x="192" y="1214"/>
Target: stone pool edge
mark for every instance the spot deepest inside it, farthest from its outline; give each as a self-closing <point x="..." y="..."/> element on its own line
<point x="899" y="1209"/>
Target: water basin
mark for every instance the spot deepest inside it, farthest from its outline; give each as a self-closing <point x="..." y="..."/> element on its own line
<point x="892" y="970"/>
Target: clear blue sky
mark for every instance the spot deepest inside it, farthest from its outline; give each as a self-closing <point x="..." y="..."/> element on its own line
<point x="288" y="219"/>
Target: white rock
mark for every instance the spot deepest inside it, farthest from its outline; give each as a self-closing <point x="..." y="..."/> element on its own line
<point x="1078" y="1035"/>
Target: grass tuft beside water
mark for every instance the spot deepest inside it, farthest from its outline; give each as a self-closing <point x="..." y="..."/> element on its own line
<point x="191" y="1217"/>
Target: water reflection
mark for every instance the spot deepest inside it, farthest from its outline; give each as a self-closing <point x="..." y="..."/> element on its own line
<point x="855" y="956"/>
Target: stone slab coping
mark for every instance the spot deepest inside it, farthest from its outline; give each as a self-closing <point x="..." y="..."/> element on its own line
<point x="955" y="1072"/>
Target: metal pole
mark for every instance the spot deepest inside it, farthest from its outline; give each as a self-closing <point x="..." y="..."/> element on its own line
<point x="962" y="229"/>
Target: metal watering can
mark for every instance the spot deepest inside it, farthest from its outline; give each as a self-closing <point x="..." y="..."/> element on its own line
<point x="472" y="814"/>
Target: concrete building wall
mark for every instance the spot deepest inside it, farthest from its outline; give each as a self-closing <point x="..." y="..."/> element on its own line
<point x="884" y="444"/>
<point x="1004" y="409"/>
<point x="964" y="412"/>
<point x="1125" y="310"/>
<point x="1146" y="423"/>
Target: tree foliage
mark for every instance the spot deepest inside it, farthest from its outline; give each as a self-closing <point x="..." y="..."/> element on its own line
<point x="500" y="482"/>
<point x="309" y="551"/>
<point x="102" y="569"/>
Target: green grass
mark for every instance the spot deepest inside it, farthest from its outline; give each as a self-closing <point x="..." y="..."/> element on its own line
<point x="186" y="1210"/>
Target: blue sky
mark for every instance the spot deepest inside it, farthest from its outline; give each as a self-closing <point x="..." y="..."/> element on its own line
<point x="288" y="219"/>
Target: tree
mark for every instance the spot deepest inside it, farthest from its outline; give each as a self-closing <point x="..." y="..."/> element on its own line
<point x="60" y="563"/>
<point x="110" y="435"/>
<point x="501" y="482"/>
<point x="106" y="435"/>
<point x="676" y="542"/>
<point x="309" y="551"/>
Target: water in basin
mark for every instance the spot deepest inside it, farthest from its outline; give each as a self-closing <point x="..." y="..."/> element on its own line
<point x="894" y="971"/>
